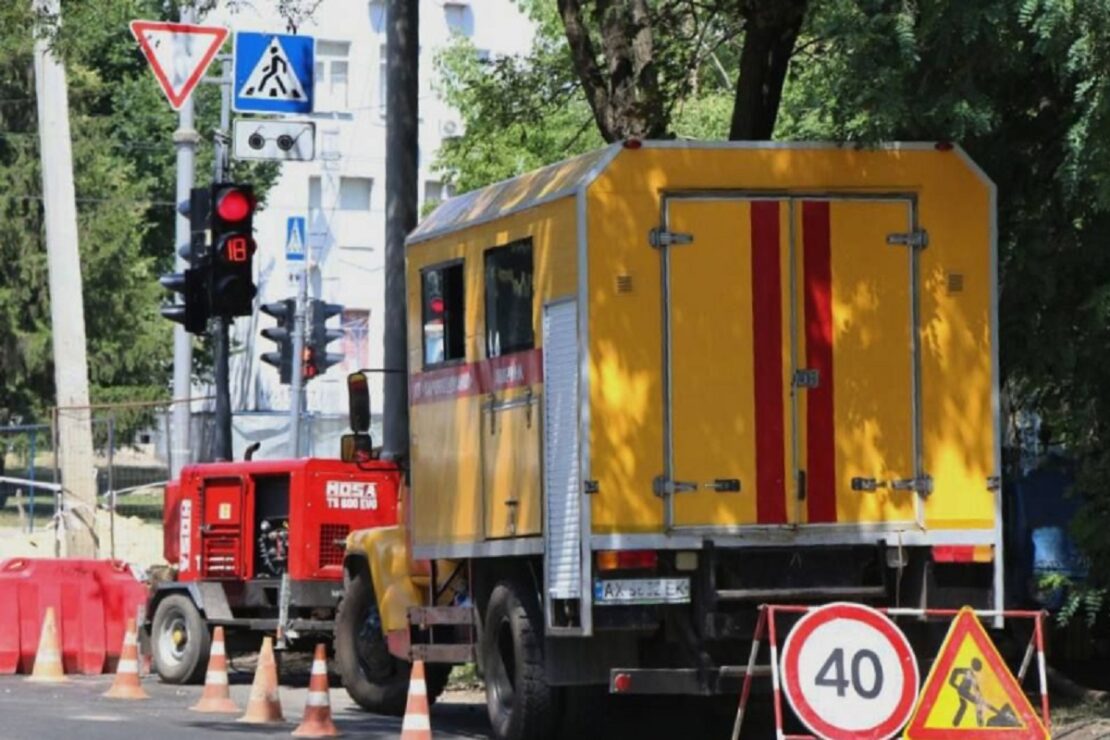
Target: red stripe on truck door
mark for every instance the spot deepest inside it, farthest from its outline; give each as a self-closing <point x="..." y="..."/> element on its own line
<point x="820" y="443"/>
<point x="770" y="460"/>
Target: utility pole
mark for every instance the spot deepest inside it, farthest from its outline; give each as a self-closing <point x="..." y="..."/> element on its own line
<point x="401" y="146"/>
<point x="67" y="311"/>
<point x="221" y="340"/>
<point x="185" y="141"/>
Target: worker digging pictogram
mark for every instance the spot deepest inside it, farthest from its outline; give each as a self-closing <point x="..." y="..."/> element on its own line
<point x="273" y="77"/>
<point x="966" y="683"/>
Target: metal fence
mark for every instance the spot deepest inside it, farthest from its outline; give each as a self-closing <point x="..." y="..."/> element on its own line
<point x="132" y="458"/>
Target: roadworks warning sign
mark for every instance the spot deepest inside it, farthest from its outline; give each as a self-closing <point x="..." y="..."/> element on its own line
<point x="971" y="693"/>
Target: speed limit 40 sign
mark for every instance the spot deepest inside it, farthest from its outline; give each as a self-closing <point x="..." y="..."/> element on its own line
<point x="849" y="672"/>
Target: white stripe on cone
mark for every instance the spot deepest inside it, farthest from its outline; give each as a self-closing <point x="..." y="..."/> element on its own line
<point x="219" y="678"/>
<point x="129" y="639"/>
<point x="127" y="666"/>
<point x="317" y="699"/>
<point x="218" y="648"/>
<point x="49" y="655"/>
<point x="418" y="687"/>
<point x="319" y="668"/>
<point x="416" y="722"/>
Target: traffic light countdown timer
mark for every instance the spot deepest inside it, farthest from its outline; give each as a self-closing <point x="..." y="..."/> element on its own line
<point x="219" y="279"/>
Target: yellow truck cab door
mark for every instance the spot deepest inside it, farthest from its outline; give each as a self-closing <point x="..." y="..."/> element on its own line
<point x="789" y="361"/>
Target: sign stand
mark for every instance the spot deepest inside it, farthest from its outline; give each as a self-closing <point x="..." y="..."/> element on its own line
<point x="766" y="630"/>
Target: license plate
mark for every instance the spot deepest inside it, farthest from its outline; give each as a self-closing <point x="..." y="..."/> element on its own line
<point x="642" y="591"/>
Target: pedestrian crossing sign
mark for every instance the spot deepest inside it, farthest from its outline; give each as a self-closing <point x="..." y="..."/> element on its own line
<point x="273" y="73"/>
<point x="971" y="693"/>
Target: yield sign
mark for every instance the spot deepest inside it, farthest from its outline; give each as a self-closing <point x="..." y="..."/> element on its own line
<point x="971" y="693"/>
<point x="179" y="54"/>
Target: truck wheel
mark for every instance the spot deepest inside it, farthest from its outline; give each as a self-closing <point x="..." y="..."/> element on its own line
<point x="179" y="641"/>
<point x="521" y="704"/>
<point x="375" y="679"/>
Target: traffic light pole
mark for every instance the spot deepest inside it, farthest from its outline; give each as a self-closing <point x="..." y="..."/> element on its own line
<point x="221" y="340"/>
<point x="296" y="389"/>
<point x="185" y="141"/>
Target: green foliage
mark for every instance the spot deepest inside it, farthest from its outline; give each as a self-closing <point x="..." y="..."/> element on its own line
<point x="124" y="171"/>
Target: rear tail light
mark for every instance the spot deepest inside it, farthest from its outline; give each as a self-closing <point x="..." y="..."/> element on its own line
<point x="627" y="560"/>
<point x="622" y="682"/>
<point x="963" y="553"/>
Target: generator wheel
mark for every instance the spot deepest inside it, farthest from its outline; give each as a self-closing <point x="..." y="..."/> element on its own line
<point x="522" y="706"/>
<point x="179" y="641"/>
<point x="376" y="680"/>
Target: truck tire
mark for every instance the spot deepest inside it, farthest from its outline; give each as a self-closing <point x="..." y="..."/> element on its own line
<point x="375" y="679"/>
<point x="521" y="704"/>
<point x="179" y="641"/>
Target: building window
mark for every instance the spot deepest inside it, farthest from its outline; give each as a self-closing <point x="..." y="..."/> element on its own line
<point x="459" y="18"/>
<point x="356" y="339"/>
<point x="354" y="193"/>
<point x="443" y="314"/>
<point x="509" y="299"/>
<point x="332" y="75"/>
<point x="315" y="193"/>
<point x="435" y="192"/>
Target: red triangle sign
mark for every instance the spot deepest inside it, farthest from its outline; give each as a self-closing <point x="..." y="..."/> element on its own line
<point x="971" y="693"/>
<point x="179" y="54"/>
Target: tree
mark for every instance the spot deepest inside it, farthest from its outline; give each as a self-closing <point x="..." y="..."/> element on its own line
<point x="125" y="183"/>
<point x="636" y="60"/>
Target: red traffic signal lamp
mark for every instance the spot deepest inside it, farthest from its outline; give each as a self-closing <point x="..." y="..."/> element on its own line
<point x="232" y="288"/>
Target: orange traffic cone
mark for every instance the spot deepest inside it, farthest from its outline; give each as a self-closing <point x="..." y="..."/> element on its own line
<point x="264" y="706"/>
<point x="48" y="660"/>
<point x="317" y="707"/>
<point x="126" y="685"/>
<point x="216" y="698"/>
<point x="417" y="725"/>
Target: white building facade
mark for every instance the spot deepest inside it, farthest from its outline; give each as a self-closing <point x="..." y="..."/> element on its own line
<point x="341" y="194"/>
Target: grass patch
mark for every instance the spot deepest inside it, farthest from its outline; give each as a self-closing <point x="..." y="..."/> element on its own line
<point x="145" y="506"/>
<point x="44" y="512"/>
<point x="465" y="678"/>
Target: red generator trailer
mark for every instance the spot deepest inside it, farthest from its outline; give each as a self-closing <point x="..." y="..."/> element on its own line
<point x="257" y="547"/>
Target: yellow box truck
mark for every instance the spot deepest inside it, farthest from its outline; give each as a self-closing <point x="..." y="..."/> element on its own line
<point x="656" y="385"/>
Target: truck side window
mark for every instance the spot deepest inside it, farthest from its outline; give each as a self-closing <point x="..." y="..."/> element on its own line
<point x="509" y="299"/>
<point x="444" y="327"/>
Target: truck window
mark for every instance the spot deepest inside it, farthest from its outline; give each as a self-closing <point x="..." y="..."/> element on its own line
<point x="444" y="328"/>
<point x="509" y="299"/>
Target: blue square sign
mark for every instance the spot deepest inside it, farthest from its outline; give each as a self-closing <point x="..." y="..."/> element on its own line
<point x="273" y="73"/>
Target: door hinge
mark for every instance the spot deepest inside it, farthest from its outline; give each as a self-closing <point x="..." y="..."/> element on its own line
<point x="807" y="378"/>
<point x="660" y="238"/>
<point x="916" y="239"/>
<point x="994" y="482"/>
<point x="591" y="488"/>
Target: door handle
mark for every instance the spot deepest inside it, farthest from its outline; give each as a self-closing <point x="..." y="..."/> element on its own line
<point x="923" y="485"/>
<point x="724" y="485"/>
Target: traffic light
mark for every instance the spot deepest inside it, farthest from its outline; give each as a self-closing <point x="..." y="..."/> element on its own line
<point x="193" y="311"/>
<point x="317" y="359"/>
<point x="232" y="288"/>
<point x="282" y="335"/>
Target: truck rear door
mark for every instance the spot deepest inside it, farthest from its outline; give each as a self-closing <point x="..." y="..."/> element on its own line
<point x="789" y="358"/>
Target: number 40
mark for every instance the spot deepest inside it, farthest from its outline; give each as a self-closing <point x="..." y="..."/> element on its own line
<point x="832" y="673"/>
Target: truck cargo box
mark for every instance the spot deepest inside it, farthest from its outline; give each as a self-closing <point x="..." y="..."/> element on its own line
<point x="661" y="344"/>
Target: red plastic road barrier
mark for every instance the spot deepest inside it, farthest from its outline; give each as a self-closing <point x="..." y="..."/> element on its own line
<point x="92" y="598"/>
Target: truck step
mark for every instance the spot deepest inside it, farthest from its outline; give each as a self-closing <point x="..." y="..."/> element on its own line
<point x="783" y="595"/>
<point x="443" y="653"/>
<point x="428" y="616"/>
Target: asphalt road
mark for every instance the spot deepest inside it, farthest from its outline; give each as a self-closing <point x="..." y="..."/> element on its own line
<point x="77" y="710"/>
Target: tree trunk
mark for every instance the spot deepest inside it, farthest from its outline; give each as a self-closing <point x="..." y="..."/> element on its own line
<point x="771" y="31"/>
<point x="625" y="96"/>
